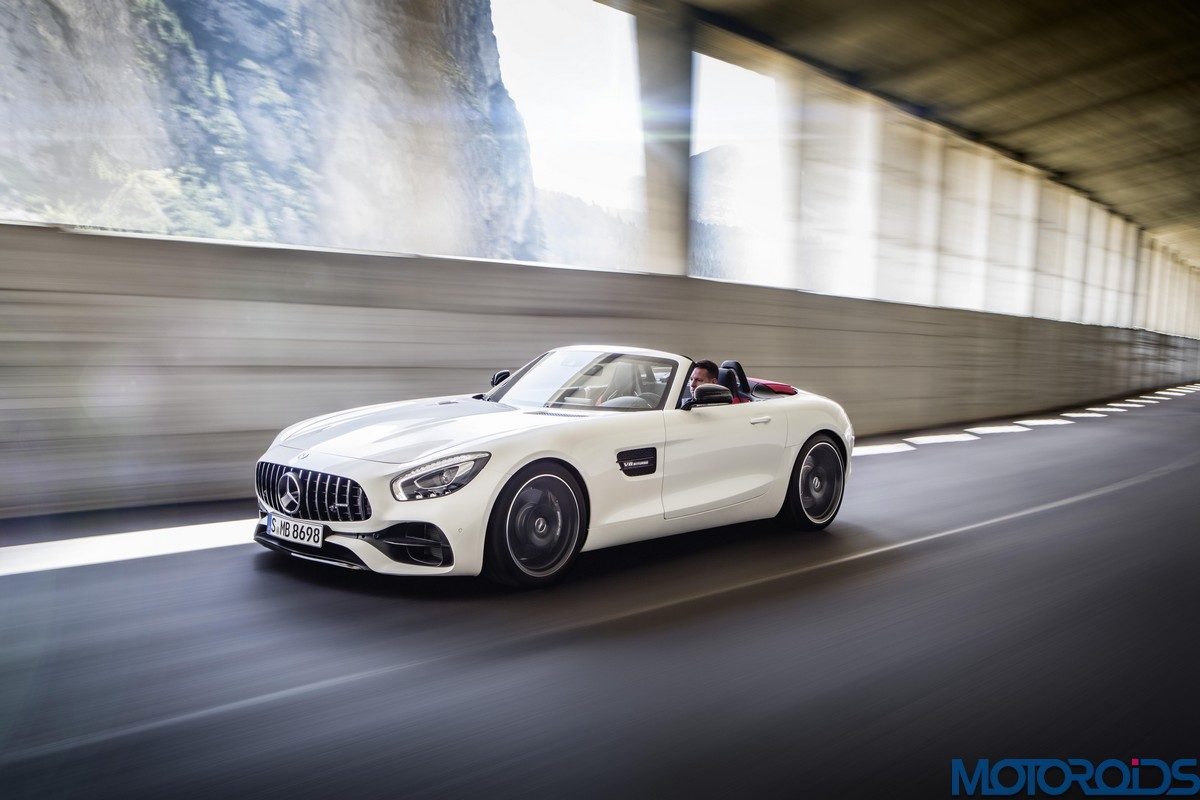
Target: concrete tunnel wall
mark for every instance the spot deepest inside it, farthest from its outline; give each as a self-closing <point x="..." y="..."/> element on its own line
<point x="140" y="371"/>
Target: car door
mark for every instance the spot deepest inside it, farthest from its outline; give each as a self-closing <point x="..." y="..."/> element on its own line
<point x="716" y="456"/>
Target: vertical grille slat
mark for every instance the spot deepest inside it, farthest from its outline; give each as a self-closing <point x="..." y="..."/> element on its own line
<point x="265" y="487"/>
<point x="313" y="484"/>
<point x="323" y="512"/>
<point x="323" y="497"/>
<point x="328" y="498"/>
<point x="333" y="494"/>
<point x="306" y="493"/>
<point x="317" y="504"/>
<point x="333" y="497"/>
<point x="310" y="494"/>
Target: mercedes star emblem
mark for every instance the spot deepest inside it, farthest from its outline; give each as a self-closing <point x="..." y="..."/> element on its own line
<point x="287" y="489"/>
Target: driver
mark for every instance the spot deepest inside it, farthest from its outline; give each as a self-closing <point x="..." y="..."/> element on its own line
<point x="704" y="372"/>
<point x="707" y="372"/>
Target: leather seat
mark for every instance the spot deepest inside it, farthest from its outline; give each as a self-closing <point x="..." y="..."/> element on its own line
<point x="740" y="384"/>
<point x="623" y="382"/>
<point x="728" y="379"/>
<point x="743" y="381"/>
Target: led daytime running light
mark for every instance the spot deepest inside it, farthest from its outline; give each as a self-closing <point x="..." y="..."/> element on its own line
<point x="405" y="487"/>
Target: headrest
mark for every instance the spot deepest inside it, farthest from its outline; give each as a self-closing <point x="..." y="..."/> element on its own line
<point x="728" y="379"/>
<point x="624" y="379"/>
<point x="736" y="366"/>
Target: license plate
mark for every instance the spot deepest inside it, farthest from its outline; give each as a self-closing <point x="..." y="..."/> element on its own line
<point x="295" y="530"/>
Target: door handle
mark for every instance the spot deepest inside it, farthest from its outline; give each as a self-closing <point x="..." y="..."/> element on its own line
<point x="759" y="420"/>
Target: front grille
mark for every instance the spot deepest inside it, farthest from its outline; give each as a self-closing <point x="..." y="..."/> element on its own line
<point x="323" y="497"/>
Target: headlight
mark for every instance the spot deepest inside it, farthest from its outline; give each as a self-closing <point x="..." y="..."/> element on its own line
<point x="437" y="478"/>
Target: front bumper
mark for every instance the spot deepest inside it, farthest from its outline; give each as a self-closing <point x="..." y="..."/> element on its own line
<point x="327" y="553"/>
<point x="395" y="539"/>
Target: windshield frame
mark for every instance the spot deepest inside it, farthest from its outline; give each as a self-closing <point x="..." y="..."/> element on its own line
<point x="496" y="395"/>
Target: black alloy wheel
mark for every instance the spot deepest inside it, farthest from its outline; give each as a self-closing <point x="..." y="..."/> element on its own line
<point x="817" y="483"/>
<point x="536" y="527"/>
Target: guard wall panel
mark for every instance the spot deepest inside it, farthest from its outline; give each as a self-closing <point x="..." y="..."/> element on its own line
<point x="138" y="371"/>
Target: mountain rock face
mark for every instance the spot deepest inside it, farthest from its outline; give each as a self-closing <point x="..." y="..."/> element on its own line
<point x="366" y="124"/>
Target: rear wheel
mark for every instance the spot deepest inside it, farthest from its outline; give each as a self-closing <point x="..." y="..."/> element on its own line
<point x="817" y="482"/>
<point x="536" y="527"/>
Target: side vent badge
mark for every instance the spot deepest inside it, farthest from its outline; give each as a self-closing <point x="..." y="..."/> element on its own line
<point x="642" y="461"/>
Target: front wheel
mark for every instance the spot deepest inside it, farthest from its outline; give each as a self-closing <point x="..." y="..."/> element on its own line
<point x="536" y="527"/>
<point x="816" y="485"/>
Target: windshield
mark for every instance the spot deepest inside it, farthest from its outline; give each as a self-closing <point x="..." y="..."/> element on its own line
<point x="589" y="379"/>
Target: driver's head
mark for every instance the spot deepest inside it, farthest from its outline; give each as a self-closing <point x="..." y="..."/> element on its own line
<point x="703" y="372"/>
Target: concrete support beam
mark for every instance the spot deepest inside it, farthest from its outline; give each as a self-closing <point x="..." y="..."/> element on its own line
<point x="664" y="47"/>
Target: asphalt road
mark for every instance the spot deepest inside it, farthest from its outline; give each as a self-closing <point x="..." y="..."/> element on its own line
<point x="1026" y="594"/>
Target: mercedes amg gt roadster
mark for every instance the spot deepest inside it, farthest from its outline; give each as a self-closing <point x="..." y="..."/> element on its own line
<point x="583" y="447"/>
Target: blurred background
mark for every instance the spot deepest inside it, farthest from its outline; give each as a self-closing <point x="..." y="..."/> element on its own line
<point x="227" y="216"/>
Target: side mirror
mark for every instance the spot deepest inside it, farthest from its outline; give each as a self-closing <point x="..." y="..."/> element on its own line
<point x="709" y="394"/>
<point x="501" y="376"/>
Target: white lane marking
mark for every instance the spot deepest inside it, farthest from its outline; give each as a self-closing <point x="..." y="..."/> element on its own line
<point x="1126" y="405"/>
<point x="1047" y="421"/>
<point x="104" y="549"/>
<point x="1108" y="409"/>
<point x="1170" y="394"/>
<point x="880" y="449"/>
<point x="74" y="742"/>
<point x="986" y="429"/>
<point x="942" y="438"/>
<point x="1082" y="414"/>
<point x="64" y="745"/>
<point x="1149" y="400"/>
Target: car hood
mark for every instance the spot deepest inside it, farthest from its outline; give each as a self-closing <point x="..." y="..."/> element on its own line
<point x="398" y="433"/>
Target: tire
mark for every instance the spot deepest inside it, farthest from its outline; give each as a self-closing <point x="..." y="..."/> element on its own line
<point x="536" y="527"/>
<point x="816" y="485"/>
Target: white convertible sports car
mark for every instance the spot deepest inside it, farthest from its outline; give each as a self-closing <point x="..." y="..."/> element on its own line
<point x="583" y="447"/>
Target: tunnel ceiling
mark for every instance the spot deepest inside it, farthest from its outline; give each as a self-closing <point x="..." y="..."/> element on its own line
<point x="1105" y="95"/>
